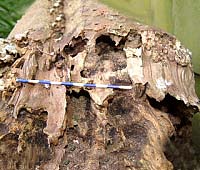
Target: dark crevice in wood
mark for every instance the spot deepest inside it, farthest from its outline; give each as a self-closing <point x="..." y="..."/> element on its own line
<point x="8" y="64"/>
<point x="76" y="46"/>
<point x="79" y="94"/>
<point x="103" y="44"/>
<point x="134" y="38"/>
<point x="83" y="73"/>
<point x="173" y="106"/>
<point x="72" y="68"/>
<point x="179" y="150"/>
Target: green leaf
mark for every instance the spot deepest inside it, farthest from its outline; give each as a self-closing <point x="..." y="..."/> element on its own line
<point x="10" y="12"/>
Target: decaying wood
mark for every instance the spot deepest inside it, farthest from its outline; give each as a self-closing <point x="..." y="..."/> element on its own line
<point x="59" y="127"/>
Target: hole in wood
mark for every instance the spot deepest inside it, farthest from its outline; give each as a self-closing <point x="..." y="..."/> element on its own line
<point x="72" y="68"/>
<point x="104" y="44"/>
<point x="76" y="46"/>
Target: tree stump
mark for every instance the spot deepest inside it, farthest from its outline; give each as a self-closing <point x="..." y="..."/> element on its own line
<point x="57" y="127"/>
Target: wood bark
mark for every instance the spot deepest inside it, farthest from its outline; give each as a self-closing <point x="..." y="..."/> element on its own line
<point x="60" y="127"/>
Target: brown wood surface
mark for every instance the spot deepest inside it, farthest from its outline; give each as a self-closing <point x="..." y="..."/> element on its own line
<point x="57" y="127"/>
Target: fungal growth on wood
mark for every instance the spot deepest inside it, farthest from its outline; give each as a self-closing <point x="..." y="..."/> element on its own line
<point x="91" y="128"/>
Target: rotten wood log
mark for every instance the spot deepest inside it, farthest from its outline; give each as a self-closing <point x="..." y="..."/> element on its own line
<point x="59" y="127"/>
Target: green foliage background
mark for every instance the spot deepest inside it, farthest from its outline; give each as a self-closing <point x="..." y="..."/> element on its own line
<point x="10" y="12"/>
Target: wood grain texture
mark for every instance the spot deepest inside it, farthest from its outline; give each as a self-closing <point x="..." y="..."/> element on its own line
<point x="93" y="128"/>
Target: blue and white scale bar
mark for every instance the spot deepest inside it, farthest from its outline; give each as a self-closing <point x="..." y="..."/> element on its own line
<point x="73" y="84"/>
